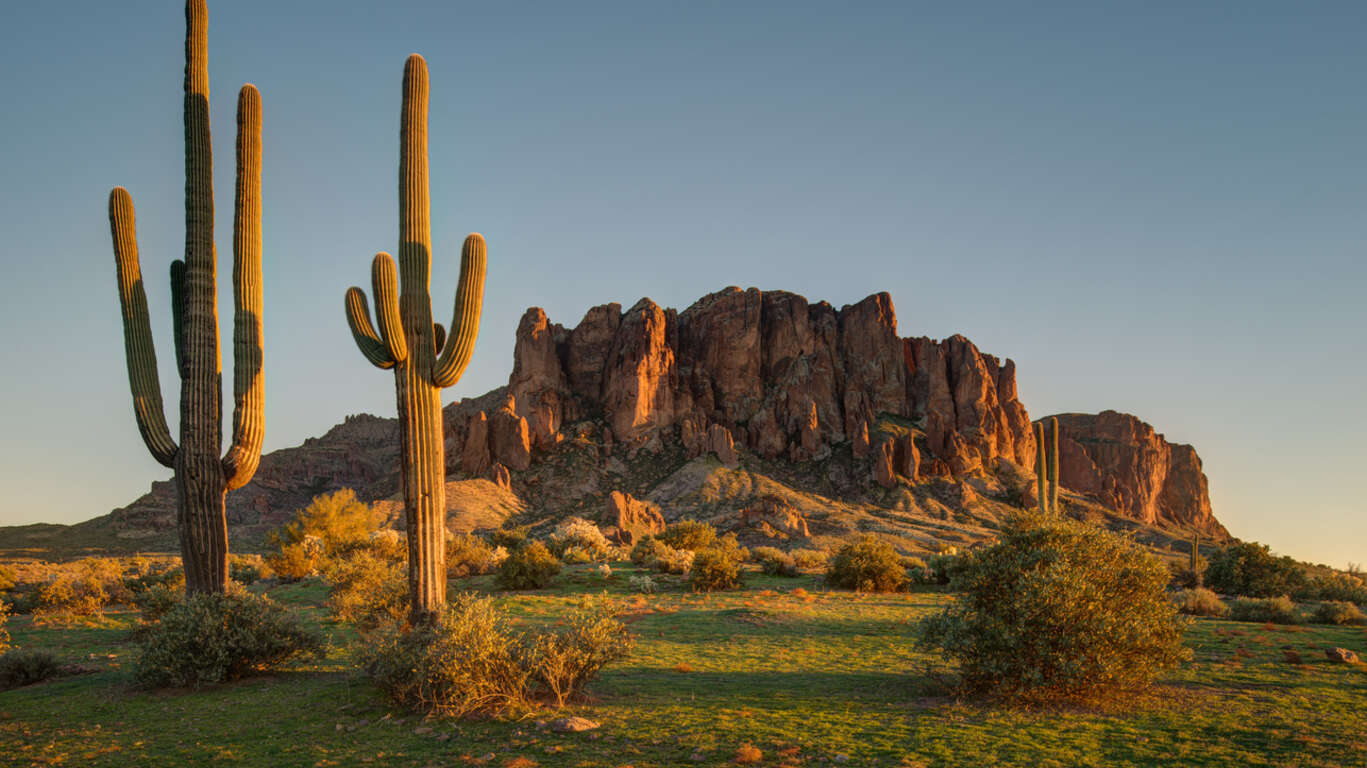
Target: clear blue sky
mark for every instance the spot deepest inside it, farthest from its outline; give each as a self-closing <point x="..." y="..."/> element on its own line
<point x="1151" y="207"/>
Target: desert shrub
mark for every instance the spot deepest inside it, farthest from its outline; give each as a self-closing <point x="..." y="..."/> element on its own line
<point x="1250" y="569"/>
<point x="774" y="561"/>
<point x="578" y="533"/>
<point x="1337" y="612"/>
<point x="1337" y="587"/>
<point x="25" y="667"/>
<point x="647" y="550"/>
<point x="1182" y="577"/>
<point x="688" y="534"/>
<point x="530" y="567"/>
<point x="676" y="561"/>
<point x="713" y="570"/>
<point x="509" y="538"/>
<point x="469" y="555"/>
<point x="1199" y="601"/>
<point x="8" y="578"/>
<point x="868" y="564"/>
<point x="76" y="594"/>
<point x="917" y="570"/>
<point x="465" y="661"/>
<point x="332" y="524"/>
<point x="643" y="584"/>
<point x="1277" y="610"/>
<point x="604" y="571"/>
<point x="4" y="633"/>
<point x="730" y="546"/>
<point x="247" y="569"/>
<point x="155" y="589"/>
<point x="563" y="662"/>
<point x="1058" y="609"/>
<point x="576" y="556"/>
<point x="941" y="567"/>
<point x="214" y="638"/>
<point x="810" y="558"/>
<point x="368" y="590"/>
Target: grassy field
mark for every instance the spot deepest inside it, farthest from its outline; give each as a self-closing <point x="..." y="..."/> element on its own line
<point x="808" y="677"/>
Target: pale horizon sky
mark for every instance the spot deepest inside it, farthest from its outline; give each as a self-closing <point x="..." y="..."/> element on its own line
<point x="1157" y="208"/>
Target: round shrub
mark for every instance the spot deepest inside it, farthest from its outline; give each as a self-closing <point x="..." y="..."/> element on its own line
<point x="1058" y="610"/>
<point x="1337" y="612"/>
<point x="1338" y="587"/>
<point x="647" y="550"/>
<point x="563" y="662"/>
<point x="368" y="590"/>
<point x="530" y="567"/>
<point x="580" y="534"/>
<point x="26" y="667"/>
<point x="468" y="555"/>
<point x="247" y="569"/>
<point x="809" y="558"/>
<point x="714" y="570"/>
<point x="1199" y="602"/>
<point x="689" y="534"/>
<point x="211" y="639"/>
<point x="868" y="564"/>
<point x="774" y="561"/>
<point x="1275" y="610"/>
<point x="1250" y="569"/>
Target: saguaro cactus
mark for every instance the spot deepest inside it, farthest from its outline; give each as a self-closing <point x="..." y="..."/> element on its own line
<point x="1046" y="467"/>
<point x="202" y="478"/>
<point x="425" y="359"/>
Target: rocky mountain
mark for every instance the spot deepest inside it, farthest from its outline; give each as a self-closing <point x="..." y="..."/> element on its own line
<point x="758" y="410"/>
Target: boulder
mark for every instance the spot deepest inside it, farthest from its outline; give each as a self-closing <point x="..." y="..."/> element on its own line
<point x="626" y="520"/>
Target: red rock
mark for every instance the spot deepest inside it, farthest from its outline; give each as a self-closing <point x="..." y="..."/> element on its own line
<point x="607" y="442"/>
<point x="906" y="459"/>
<point x="859" y="443"/>
<point x="809" y="436"/>
<point x="502" y="477"/>
<point x="719" y="442"/>
<point x="883" y="472"/>
<point x="538" y="383"/>
<point x="765" y="438"/>
<point x="719" y="353"/>
<point x="775" y="518"/>
<point x="638" y="382"/>
<point x="510" y="441"/>
<point x="589" y="347"/>
<point x="628" y="519"/>
<point x="474" y="457"/>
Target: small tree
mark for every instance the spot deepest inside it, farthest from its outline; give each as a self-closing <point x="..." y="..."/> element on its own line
<point x="868" y="564"/>
<point x="1250" y="568"/>
<point x="1058" y="609"/>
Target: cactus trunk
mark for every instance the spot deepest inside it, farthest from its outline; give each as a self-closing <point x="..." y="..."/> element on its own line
<point x="202" y="478"/>
<point x="1046" y="468"/>
<point x="408" y="342"/>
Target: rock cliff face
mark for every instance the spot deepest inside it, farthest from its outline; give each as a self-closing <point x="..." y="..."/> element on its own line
<point x="1122" y="463"/>
<point x="786" y="378"/>
<point x="786" y="417"/>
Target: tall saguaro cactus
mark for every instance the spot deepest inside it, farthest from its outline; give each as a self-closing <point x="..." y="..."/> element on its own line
<point x="425" y="359"/>
<point x="1046" y="467"/>
<point x="202" y="478"/>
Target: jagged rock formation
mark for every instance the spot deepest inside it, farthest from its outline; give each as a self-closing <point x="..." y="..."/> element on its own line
<point x="1122" y="463"/>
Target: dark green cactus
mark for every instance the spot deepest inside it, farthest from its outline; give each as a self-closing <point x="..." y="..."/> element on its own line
<point x="1046" y="468"/>
<point x="424" y="357"/>
<point x="202" y="478"/>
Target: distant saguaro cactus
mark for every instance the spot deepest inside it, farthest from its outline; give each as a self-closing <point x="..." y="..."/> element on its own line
<point x="1046" y="468"/>
<point x="202" y="478"/>
<point x="408" y="341"/>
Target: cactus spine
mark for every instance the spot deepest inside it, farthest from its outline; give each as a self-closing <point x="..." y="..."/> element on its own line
<point x="424" y="357"/>
<point x="202" y="478"/>
<point x="1046" y="468"/>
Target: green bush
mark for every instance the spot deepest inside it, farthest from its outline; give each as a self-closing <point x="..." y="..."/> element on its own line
<point x="530" y="567"/>
<point x="469" y="555"/>
<point x="368" y="589"/>
<point x="774" y="561"/>
<point x="332" y="524"/>
<point x="7" y="578"/>
<point x="1337" y="612"/>
<point x="247" y="569"/>
<point x="509" y="538"/>
<point x="1337" y="587"/>
<point x="941" y="567"/>
<point x="1276" y="610"/>
<point x="648" y="550"/>
<point x="295" y="561"/>
<point x="214" y="638"/>
<point x="714" y="570"/>
<point x="154" y="601"/>
<point x="27" y="667"/>
<point x="1199" y="601"/>
<point x="563" y="662"/>
<point x="868" y="564"/>
<point x="809" y="558"/>
<point x="583" y="536"/>
<point x="79" y="593"/>
<point x="676" y="561"/>
<point x="1058" y="610"/>
<point x="688" y="534"/>
<point x="1250" y="569"/>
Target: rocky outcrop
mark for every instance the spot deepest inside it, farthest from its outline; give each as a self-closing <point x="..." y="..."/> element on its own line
<point x="775" y="519"/>
<point x="538" y="384"/>
<point x="626" y="520"/>
<point x="1122" y="463"/>
<point x="510" y="440"/>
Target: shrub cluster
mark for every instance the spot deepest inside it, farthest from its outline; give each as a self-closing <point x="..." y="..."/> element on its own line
<point x="368" y="588"/>
<point x="867" y="564"/>
<point x="470" y="555"/>
<point x="689" y="534"/>
<point x="1058" y="610"/>
<point x="1250" y="569"/>
<point x="332" y="524"/>
<point x="714" y="569"/>
<point x="1199" y="601"/>
<point x="654" y="554"/>
<point x="531" y="566"/>
<point x="577" y="540"/>
<point x="214" y="638"/>
<point x="1337" y="587"/>
<point x="4" y="633"/>
<point x="1337" y="612"/>
<point x="24" y="667"/>
<point x="468" y="661"/>
<point x="1277" y="610"/>
<point x="155" y="589"/>
<point x="809" y="558"/>
<point x="774" y="561"/>
<point x="247" y="569"/>
<point x="80" y="592"/>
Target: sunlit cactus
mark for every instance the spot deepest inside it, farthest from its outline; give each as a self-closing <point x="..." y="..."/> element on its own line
<point x="1046" y="468"/>
<point x="202" y="477"/>
<point x="424" y="357"/>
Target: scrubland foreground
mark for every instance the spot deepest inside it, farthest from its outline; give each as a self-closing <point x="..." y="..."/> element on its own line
<point x="781" y="673"/>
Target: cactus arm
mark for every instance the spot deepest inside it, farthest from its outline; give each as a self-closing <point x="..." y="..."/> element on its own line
<point x="1040" y="468"/>
<point x="460" y="341"/>
<point x="358" y="317"/>
<point x="178" y="312"/>
<point x="438" y="335"/>
<point x="1053" y="468"/>
<point x="139" y="348"/>
<point x="240" y="463"/>
<point x="385" y="284"/>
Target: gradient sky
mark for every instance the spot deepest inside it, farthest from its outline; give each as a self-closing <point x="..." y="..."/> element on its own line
<point x="1151" y="207"/>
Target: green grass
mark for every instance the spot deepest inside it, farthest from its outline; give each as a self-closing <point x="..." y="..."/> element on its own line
<point x="828" y="674"/>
